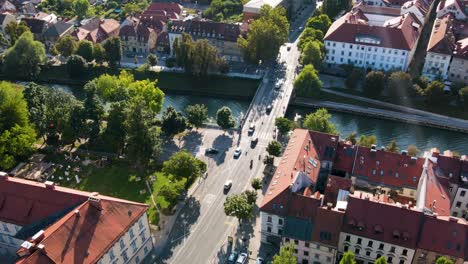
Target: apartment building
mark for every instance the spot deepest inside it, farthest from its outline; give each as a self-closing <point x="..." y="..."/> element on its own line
<point x="44" y="223"/>
<point x="137" y="38"/>
<point x="459" y="8"/>
<point x="373" y="38"/>
<point x="328" y="197"/>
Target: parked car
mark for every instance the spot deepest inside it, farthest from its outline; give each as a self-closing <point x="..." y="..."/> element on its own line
<point x="227" y="185"/>
<point x="243" y="258"/>
<point x="237" y="153"/>
<point x="232" y="257"/>
<point x="211" y="151"/>
<point x="260" y="261"/>
<point x="268" y="109"/>
<point x="251" y="129"/>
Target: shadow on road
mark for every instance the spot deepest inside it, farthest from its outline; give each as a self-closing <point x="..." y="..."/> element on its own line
<point x="181" y="229"/>
<point x="192" y="141"/>
<point x="169" y="147"/>
<point x="222" y="143"/>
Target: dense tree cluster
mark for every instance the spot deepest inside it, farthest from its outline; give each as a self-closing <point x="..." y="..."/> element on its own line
<point x="307" y="83"/>
<point x="266" y="35"/>
<point x="196" y="57"/>
<point x="334" y="7"/>
<point x="320" y="121"/>
<point x="241" y="205"/>
<point x="285" y="255"/>
<point x="220" y="10"/>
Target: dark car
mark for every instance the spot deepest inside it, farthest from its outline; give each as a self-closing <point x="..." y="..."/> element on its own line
<point x="211" y="151"/>
<point x="253" y="142"/>
<point x="268" y="109"/>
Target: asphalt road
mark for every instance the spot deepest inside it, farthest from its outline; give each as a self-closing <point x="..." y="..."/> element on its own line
<point x="202" y="227"/>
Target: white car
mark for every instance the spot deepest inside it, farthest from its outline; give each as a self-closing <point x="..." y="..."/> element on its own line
<point x="227" y="185"/>
<point x="251" y="129"/>
<point x="278" y="84"/>
<point x="237" y="152"/>
<point x="243" y="257"/>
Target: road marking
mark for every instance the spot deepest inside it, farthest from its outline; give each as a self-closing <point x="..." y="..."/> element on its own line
<point x="209" y="198"/>
<point x="229" y="223"/>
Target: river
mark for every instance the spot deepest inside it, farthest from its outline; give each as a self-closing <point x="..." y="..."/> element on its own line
<point x="385" y="131"/>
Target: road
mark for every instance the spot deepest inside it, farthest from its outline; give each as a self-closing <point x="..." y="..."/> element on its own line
<point x="202" y="227"/>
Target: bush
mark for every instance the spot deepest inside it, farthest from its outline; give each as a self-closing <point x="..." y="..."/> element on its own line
<point x="375" y="83"/>
<point x="76" y="66"/>
<point x="170" y="62"/>
<point x="256" y="183"/>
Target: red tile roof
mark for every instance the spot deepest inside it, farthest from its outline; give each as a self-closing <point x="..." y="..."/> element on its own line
<point x="437" y="197"/>
<point x="334" y="184"/>
<point x="385" y="222"/>
<point x="98" y="30"/>
<point x="133" y="28"/>
<point x="302" y="207"/>
<point x="449" y="238"/>
<point x="87" y="236"/>
<point x="399" y="33"/>
<point x="165" y="6"/>
<point x="328" y="226"/>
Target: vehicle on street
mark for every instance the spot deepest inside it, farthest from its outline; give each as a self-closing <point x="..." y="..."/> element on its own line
<point x="232" y="257"/>
<point x="237" y="152"/>
<point x="251" y="129"/>
<point x="268" y="109"/>
<point x="278" y="84"/>
<point x="227" y="185"/>
<point x="301" y="28"/>
<point x="260" y="261"/>
<point x="243" y="257"/>
<point x="211" y="151"/>
<point x="253" y="142"/>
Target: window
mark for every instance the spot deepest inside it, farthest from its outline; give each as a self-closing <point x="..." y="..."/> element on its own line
<point x="124" y="256"/>
<point x="357" y="250"/>
<point x="306" y="253"/>
<point x="132" y="235"/>
<point x="295" y="251"/>
<point x="381" y="246"/>
<point x="405" y="252"/>
<point x="5" y="227"/>
<point x="346" y="248"/>
<point x="306" y="244"/>
<point x="317" y="246"/>
<point x="280" y="221"/>
<point x="370" y="243"/>
<point x="328" y="259"/>
<point x="269" y="229"/>
<point x="368" y="253"/>
<point x="317" y="256"/>
<point x="269" y="219"/>
<point x="134" y="247"/>
<point x="280" y="232"/>
<point x="143" y="236"/>
<point x="305" y="261"/>
<point x="122" y="244"/>
<point x="348" y="238"/>
<point x="145" y="250"/>
<point x="389" y="260"/>
<point x="286" y="240"/>
<point x="402" y="261"/>
<point x="392" y="249"/>
<point x="137" y="259"/>
<point x="140" y="224"/>
<point x="455" y="214"/>
<point x="296" y="242"/>
<point x="458" y="204"/>
<point x="111" y="254"/>
<point x="359" y="241"/>
<point x="462" y="193"/>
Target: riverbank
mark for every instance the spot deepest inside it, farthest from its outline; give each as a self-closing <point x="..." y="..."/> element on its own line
<point x="169" y="82"/>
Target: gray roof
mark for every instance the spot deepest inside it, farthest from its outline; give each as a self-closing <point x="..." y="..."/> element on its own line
<point x="57" y="29"/>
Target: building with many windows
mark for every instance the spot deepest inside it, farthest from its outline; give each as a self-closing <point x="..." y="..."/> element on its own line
<point x="373" y="38"/>
<point x="44" y="223"/>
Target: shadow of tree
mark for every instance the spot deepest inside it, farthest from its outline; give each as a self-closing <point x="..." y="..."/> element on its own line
<point x="192" y="141"/>
<point x="222" y="143"/>
<point x="189" y="214"/>
<point x="169" y="147"/>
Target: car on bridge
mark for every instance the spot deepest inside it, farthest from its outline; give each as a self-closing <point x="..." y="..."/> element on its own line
<point x="251" y="129"/>
<point x="237" y="152"/>
<point x="268" y="109"/>
<point x="254" y="142"/>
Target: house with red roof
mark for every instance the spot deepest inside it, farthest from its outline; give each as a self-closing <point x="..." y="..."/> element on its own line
<point x="137" y="38"/>
<point x="459" y="8"/>
<point x="97" y="30"/>
<point x="374" y="38"/>
<point x="45" y="223"/>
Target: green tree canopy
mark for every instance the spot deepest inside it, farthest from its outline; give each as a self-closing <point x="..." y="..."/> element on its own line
<point x="76" y="66"/>
<point x="374" y="84"/>
<point x="184" y="165"/>
<point x="266" y="35"/>
<point x="320" y="121"/>
<point x="81" y="7"/>
<point x="435" y="93"/>
<point x="113" y="48"/>
<point x="238" y="206"/>
<point x="36" y="97"/>
<point x="152" y="60"/>
<point x="24" y="58"/>
<point x="274" y="148"/>
<point x="197" y="114"/>
<point x="99" y="53"/>
<point x="173" y="122"/>
<point x="399" y="84"/>
<point x="14" y="30"/>
<point x="309" y="35"/>
<point x="85" y="49"/>
<point x="285" y="256"/>
<point x="284" y="125"/>
<point x="321" y="22"/>
<point x="381" y="260"/>
<point x="443" y="260"/>
<point x="66" y="46"/>
<point x="312" y="54"/>
<point x="412" y="150"/>
<point x="367" y="141"/>
<point x="348" y="258"/>
<point x="333" y="7"/>
<point x="393" y="147"/>
<point x="224" y="118"/>
<point x="114" y="135"/>
<point x="464" y="96"/>
<point x="307" y="83"/>
<point x="256" y="183"/>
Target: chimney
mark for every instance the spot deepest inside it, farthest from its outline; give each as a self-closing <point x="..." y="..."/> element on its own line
<point x="49" y="185"/>
<point x="373" y="151"/>
<point x="95" y="201"/>
<point x="413" y="160"/>
<point x="3" y="175"/>
<point x="382" y="148"/>
<point x="404" y="152"/>
<point x="77" y="213"/>
<point x="38" y="237"/>
<point x="329" y="206"/>
<point x="435" y="152"/>
<point x="373" y="146"/>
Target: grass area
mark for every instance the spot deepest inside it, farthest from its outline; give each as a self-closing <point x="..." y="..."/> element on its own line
<point x="169" y="82"/>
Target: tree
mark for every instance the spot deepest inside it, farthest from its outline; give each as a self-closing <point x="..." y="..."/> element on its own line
<point x="285" y="256"/>
<point x="353" y="78"/>
<point x="251" y="196"/>
<point x="197" y="114"/>
<point x="311" y="54"/>
<point x="115" y="134"/>
<point x="94" y="111"/>
<point x="348" y="258"/>
<point x="321" y="22"/>
<point x="238" y="206"/>
<point x="320" y="121"/>
<point x="352" y="138"/>
<point x="113" y="48"/>
<point x="381" y="260"/>
<point x="307" y="83"/>
<point x="224" y="118"/>
<point x="152" y="60"/>
<point x="184" y="165"/>
<point x="143" y="138"/>
<point x="99" y="53"/>
<point x="274" y="148"/>
<point x="399" y="84"/>
<point x="435" y="93"/>
<point x="14" y="30"/>
<point x="266" y="35"/>
<point x="393" y="147"/>
<point x="284" y="125"/>
<point x="59" y="106"/>
<point x="173" y="122"/>
<point x="24" y="58"/>
<point x="310" y="34"/>
<point x="464" y="96"/>
<point x="333" y="7"/>
<point x="85" y="50"/>
<point x="81" y="7"/>
<point x="367" y="141"/>
<point x="374" y="84"/>
<point x="66" y="46"/>
<point x="36" y="97"/>
<point x="256" y="183"/>
<point x="443" y="260"/>
<point x="76" y="66"/>
<point x="76" y="127"/>
<point x="17" y="137"/>
<point x="412" y="150"/>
